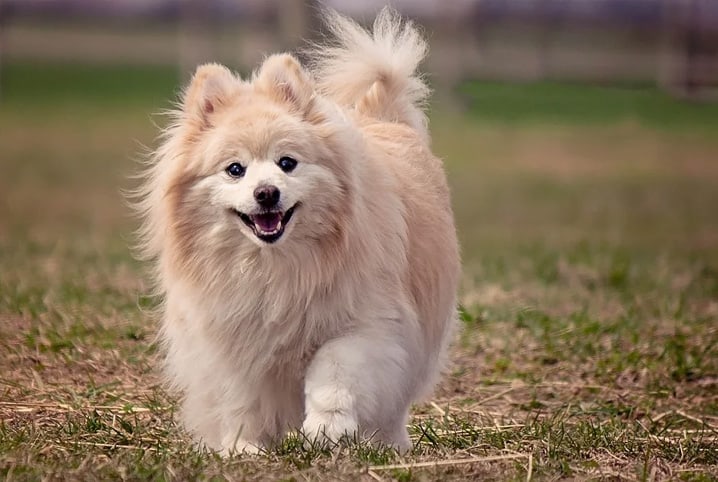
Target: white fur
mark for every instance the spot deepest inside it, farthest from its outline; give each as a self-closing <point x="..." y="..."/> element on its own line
<point x="344" y="321"/>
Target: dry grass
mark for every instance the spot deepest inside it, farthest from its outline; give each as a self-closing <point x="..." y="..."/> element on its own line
<point x="590" y="313"/>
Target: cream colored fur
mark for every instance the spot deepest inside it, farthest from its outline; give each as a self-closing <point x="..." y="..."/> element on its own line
<point x="337" y="327"/>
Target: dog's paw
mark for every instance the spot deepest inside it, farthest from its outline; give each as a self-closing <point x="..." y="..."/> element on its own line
<point x="329" y="428"/>
<point x="237" y="446"/>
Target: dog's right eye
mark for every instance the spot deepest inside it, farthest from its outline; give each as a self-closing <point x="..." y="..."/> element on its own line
<point x="235" y="170"/>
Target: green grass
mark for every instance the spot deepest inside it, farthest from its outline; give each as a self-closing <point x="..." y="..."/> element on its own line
<point x="39" y="84"/>
<point x="589" y="299"/>
<point x="550" y="102"/>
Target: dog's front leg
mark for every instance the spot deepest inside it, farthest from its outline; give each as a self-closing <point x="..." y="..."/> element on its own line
<point x="359" y="385"/>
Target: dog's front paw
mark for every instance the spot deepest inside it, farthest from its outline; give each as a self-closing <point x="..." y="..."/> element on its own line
<point x="322" y="428"/>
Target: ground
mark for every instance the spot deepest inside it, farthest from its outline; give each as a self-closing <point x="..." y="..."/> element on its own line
<point x="589" y="302"/>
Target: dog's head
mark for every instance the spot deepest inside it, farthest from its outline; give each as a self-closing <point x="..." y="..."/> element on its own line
<point x="262" y="163"/>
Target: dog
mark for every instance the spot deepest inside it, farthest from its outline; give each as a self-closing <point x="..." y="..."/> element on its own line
<point x="303" y="244"/>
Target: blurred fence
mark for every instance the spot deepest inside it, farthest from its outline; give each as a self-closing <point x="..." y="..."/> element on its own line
<point x="671" y="43"/>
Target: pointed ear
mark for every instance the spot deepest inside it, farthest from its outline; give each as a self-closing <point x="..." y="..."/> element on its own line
<point x="282" y="77"/>
<point x="210" y="89"/>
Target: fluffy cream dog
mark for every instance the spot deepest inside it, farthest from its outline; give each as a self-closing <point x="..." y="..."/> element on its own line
<point x="304" y="244"/>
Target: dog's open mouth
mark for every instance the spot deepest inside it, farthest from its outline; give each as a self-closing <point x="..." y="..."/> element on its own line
<point x="268" y="225"/>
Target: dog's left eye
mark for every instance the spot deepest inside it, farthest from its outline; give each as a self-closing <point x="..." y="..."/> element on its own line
<point x="287" y="164"/>
<point x="235" y="170"/>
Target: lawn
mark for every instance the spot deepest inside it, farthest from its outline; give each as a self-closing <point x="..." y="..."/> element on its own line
<point x="589" y="225"/>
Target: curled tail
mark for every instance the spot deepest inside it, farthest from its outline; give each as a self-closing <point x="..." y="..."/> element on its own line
<point x="374" y="71"/>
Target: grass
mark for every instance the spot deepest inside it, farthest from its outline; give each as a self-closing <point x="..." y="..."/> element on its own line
<point x="550" y="102"/>
<point x="589" y="347"/>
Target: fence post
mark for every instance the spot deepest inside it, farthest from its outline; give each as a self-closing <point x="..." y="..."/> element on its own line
<point x="192" y="35"/>
<point x="298" y="21"/>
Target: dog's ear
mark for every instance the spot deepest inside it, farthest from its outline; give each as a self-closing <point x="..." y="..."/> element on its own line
<point x="211" y="88"/>
<point x="282" y="77"/>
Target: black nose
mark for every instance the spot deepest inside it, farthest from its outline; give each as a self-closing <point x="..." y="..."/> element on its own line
<point x="267" y="196"/>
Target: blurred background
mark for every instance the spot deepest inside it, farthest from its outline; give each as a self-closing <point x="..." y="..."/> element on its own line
<point x="561" y="122"/>
<point x="580" y="139"/>
<point x="669" y="43"/>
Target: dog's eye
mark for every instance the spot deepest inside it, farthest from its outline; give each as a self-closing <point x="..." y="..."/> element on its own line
<point x="287" y="164"/>
<point x="235" y="170"/>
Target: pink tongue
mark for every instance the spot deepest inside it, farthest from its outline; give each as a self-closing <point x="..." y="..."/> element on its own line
<point x="267" y="222"/>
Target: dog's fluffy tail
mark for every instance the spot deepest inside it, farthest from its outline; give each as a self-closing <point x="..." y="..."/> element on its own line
<point x="374" y="71"/>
